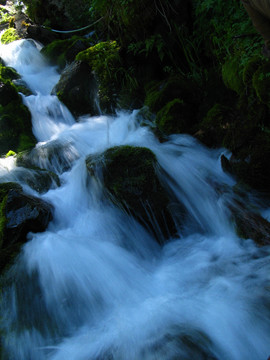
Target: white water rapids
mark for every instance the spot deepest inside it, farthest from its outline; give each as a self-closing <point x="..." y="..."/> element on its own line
<point x="97" y="286"/>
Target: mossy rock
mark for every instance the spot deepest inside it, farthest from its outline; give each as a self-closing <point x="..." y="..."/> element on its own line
<point x="130" y="177"/>
<point x="8" y="73"/>
<point x="250" y="68"/>
<point x="61" y="52"/>
<point x="105" y="61"/>
<point x="261" y="83"/>
<point x="215" y="125"/>
<point x="232" y="75"/>
<point x="15" y="127"/>
<point x="160" y="93"/>
<point x="175" y="117"/>
<point x="9" y="36"/>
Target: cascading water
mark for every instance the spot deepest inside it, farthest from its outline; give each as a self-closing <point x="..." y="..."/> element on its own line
<point x="96" y="285"/>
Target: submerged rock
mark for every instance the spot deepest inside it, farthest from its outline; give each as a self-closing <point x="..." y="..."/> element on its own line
<point x="131" y="181"/>
<point x="20" y="214"/>
<point x="77" y="89"/>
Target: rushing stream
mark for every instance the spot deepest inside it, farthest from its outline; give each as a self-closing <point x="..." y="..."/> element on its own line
<point x="96" y="285"/>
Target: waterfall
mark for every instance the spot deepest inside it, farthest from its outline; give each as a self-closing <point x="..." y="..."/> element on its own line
<point x="96" y="285"/>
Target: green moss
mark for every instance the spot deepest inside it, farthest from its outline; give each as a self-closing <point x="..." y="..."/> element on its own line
<point x="174" y="117"/>
<point x="9" y="36"/>
<point x="57" y="50"/>
<point x="232" y="75"/>
<point x="160" y="93"/>
<point x="10" y="153"/>
<point x="105" y="61"/>
<point x="8" y="73"/>
<point x="261" y="83"/>
<point x="26" y="141"/>
<point x="15" y="127"/>
<point x="250" y="69"/>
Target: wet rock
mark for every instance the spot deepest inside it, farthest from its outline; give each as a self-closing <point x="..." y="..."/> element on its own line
<point x="37" y="179"/>
<point x="131" y="181"/>
<point x="249" y="224"/>
<point x="20" y="214"/>
<point x="21" y="23"/>
<point x="53" y="156"/>
<point x="77" y="89"/>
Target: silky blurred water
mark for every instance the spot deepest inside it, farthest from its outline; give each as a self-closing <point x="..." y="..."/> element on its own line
<point x="96" y="285"/>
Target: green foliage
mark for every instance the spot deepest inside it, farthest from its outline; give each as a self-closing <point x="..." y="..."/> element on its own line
<point x="221" y="28"/>
<point x="146" y="47"/>
<point x="9" y="35"/>
<point x="170" y="119"/>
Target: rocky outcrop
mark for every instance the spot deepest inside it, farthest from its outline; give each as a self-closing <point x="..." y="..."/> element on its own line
<point x="130" y="178"/>
<point x="77" y="89"/>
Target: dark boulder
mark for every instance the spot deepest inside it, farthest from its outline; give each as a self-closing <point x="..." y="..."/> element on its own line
<point x="77" y="89"/>
<point x="131" y="182"/>
<point x="8" y="93"/>
<point x="251" y="164"/>
<point x="20" y="214"/>
<point x="250" y="224"/>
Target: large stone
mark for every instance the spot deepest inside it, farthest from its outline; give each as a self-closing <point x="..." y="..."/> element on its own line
<point x="77" y="89"/>
<point x="19" y="215"/>
<point x="130" y="177"/>
<point x="8" y="93"/>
